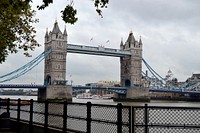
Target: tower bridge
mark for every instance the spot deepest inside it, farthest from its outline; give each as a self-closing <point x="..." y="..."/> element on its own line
<point x="130" y="54"/>
<point x="133" y="84"/>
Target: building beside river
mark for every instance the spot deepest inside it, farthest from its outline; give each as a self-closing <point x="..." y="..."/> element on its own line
<point x="195" y="78"/>
<point x="103" y="83"/>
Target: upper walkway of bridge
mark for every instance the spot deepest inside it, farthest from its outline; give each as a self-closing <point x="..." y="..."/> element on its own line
<point x="82" y="49"/>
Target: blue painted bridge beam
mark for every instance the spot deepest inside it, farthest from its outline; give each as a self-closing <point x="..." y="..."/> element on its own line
<point x="24" y="86"/>
<point x="120" y="90"/>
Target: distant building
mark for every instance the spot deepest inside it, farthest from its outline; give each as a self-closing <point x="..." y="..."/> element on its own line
<point x="103" y="83"/>
<point x="194" y="79"/>
<point x="169" y="75"/>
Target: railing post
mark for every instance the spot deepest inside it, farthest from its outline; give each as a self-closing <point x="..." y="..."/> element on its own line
<point x="133" y="119"/>
<point x="31" y="117"/>
<point x="89" y="105"/>
<point x="119" y="118"/>
<point x="8" y="105"/>
<point x="65" y="117"/>
<point x="46" y="116"/>
<point x="18" y="110"/>
<point x="18" y="113"/>
<point x="130" y="119"/>
<point x="146" y="118"/>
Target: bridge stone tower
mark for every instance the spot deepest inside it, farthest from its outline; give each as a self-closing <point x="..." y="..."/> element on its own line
<point x="131" y="66"/>
<point x="55" y="66"/>
<point x="131" y="71"/>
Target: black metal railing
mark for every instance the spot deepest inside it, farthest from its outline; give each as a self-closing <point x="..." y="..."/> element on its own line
<point x="75" y="117"/>
<point x="154" y="119"/>
<point x="95" y="118"/>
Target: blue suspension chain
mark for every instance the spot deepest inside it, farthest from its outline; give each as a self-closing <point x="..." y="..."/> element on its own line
<point x="29" y="66"/>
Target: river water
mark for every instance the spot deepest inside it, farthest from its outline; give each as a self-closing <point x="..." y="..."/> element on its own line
<point x="111" y="102"/>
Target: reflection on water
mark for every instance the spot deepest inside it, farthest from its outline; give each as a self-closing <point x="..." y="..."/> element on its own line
<point x="111" y="102"/>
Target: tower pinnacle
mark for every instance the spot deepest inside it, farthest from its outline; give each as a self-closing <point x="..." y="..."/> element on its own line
<point x="46" y="35"/>
<point x="140" y="41"/>
<point x="56" y="28"/>
<point x="131" y="38"/>
<point x="65" y="31"/>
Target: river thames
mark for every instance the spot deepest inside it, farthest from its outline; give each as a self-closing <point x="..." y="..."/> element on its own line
<point x="111" y="102"/>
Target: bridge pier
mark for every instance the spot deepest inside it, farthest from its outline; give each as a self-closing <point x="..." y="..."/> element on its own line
<point x="41" y="94"/>
<point x="59" y="92"/>
<point x="56" y="92"/>
<point x="134" y="94"/>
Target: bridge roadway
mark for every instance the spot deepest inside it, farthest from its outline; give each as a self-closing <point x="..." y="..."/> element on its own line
<point x="121" y="90"/>
<point x="24" y="86"/>
<point x="82" y="49"/>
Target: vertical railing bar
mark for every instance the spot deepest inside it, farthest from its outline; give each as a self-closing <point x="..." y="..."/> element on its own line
<point x="65" y="117"/>
<point x="18" y="113"/>
<point x="130" y="120"/>
<point x="133" y="119"/>
<point x="89" y="105"/>
<point x="119" y="118"/>
<point x="0" y="104"/>
<point x="31" y="117"/>
<point x="46" y="116"/>
<point x="146" y="118"/>
<point x="8" y="105"/>
<point x="18" y="110"/>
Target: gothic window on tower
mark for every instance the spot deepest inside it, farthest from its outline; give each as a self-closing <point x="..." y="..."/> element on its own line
<point x="136" y="80"/>
<point x="59" y="66"/>
<point x="136" y="63"/>
<point x="134" y="52"/>
<point x="126" y="71"/>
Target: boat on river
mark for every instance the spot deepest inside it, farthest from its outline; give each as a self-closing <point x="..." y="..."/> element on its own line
<point x="3" y="102"/>
<point x="96" y="97"/>
<point x="88" y="96"/>
<point x="84" y="96"/>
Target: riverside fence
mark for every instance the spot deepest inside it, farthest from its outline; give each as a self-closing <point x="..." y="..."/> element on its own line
<point x="95" y="118"/>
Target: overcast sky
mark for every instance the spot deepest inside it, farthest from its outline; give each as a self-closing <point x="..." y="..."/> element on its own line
<point x="170" y="31"/>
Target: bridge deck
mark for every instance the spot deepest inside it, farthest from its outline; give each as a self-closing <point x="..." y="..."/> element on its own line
<point x="28" y="86"/>
<point x="71" y="48"/>
<point x="121" y="90"/>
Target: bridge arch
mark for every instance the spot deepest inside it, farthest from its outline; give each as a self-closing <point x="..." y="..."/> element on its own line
<point x="47" y="80"/>
<point x="127" y="83"/>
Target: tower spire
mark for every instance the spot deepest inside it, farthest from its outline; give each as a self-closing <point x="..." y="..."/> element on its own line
<point x="121" y="41"/>
<point x="140" y="41"/>
<point x="131" y="37"/>
<point x="65" y="31"/>
<point x="46" y="35"/>
<point x="56" y="28"/>
<point x="121" y="44"/>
